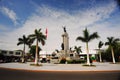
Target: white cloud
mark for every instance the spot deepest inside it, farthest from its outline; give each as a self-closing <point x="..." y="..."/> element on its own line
<point x="9" y="13"/>
<point x="53" y="19"/>
<point x="3" y="28"/>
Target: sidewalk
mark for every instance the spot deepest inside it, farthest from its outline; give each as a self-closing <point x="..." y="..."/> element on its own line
<point x="62" y="67"/>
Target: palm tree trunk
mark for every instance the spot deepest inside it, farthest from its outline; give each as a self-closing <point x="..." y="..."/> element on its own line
<point x="23" y="55"/>
<point x="87" y="50"/>
<point x="100" y="56"/>
<point x="113" y="57"/>
<point x="36" y="56"/>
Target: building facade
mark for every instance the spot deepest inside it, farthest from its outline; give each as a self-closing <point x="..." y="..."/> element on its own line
<point x="17" y="53"/>
<point x="10" y="56"/>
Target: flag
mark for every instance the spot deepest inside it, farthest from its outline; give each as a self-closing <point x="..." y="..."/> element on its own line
<point x="46" y="32"/>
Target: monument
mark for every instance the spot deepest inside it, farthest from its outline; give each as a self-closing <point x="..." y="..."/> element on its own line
<point x="65" y="43"/>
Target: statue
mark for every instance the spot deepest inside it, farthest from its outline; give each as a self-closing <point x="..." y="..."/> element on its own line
<point x="64" y="28"/>
<point x="62" y="46"/>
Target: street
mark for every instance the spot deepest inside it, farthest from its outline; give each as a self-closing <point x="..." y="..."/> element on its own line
<point x="10" y="74"/>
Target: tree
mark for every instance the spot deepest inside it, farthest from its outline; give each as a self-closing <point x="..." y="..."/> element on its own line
<point x="33" y="50"/>
<point x="25" y="41"/>
<point x="112" y="42"/>
<point x="87" y="38"/>
<point x="100" y="46"/>
<point x="39" y="37"/>
<point x="78" y="49"/>
<point x="118" y="3"/>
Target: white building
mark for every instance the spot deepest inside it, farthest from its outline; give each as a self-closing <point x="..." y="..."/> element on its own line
<point x="16" y="53"/>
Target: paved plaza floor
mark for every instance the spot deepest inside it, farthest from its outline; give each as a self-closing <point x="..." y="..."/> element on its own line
<point x="63" y="67"/>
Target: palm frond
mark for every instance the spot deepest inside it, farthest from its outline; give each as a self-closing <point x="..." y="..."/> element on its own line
<point x="39" y="30"/>
<point x="20" y="39"/>
<point x="78" y="49"/>
<point x="116" y="40"/>
<point x="81" y="38"/>
<point x="87" y="37"/>
<point x="106" y="43"/>
<point x="112" y="41"/>
<point x="86" y="33"/>
<point x="19" y="43"/>
<point x="32" y="35"/>
<point x="93" y="36"/>
<point x="100" y="44"/>
<point x="39" y="36"/>
<point x="23" y="40"/>
<point x="24" y="37"/>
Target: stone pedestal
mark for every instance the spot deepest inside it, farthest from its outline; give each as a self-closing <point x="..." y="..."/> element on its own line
<point x="65" y="50"/>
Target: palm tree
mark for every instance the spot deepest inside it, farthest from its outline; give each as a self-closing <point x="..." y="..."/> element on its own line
<point x="87" y="38"/>
<point x="112" y="42"/>
<point x="39" y="37"/>
<point x="100" y="46"/>
<point x="78" y="49"/>
<point x="25" y="41"/>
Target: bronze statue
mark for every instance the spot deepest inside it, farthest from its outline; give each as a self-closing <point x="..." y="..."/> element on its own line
<point x="64" y="28"/>
<point x="62" y="46"/>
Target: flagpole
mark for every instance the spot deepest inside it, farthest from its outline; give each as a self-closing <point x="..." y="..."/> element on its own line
<point x="46" y="32"/>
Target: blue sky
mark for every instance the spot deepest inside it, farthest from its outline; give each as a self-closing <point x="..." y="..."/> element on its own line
<point x="19" y="17"/>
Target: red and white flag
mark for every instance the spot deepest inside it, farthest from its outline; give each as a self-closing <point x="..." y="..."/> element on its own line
<point x="46" y="32"/>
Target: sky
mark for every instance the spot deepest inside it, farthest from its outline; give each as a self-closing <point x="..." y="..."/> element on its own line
<point x="22" y="17"/>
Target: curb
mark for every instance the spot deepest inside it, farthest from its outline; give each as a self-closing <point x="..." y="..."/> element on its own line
<point x="61" y="70"/>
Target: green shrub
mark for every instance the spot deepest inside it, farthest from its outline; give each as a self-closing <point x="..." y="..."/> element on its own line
<point x="35" y="64"/>
<point x="89" y="65"/>
<point x="75" y="61"/>
<point x="93" y="58"/>
<point x="70" y="61"/>
<point x="82" y="61"/>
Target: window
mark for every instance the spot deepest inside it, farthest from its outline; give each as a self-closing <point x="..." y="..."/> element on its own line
<point x="4" y="52"/>
<point x="11" y="52"/>
<point x="17" y="53"/>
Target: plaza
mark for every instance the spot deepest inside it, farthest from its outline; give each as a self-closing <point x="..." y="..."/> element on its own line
<point x="62" y="67"/>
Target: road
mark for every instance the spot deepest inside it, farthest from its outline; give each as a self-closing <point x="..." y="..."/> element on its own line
<point x="10" y="74"/>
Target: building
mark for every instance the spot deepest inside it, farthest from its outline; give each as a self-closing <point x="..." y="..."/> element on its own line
<point x="10" y="56"/>
<point x="17" y="53"/>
